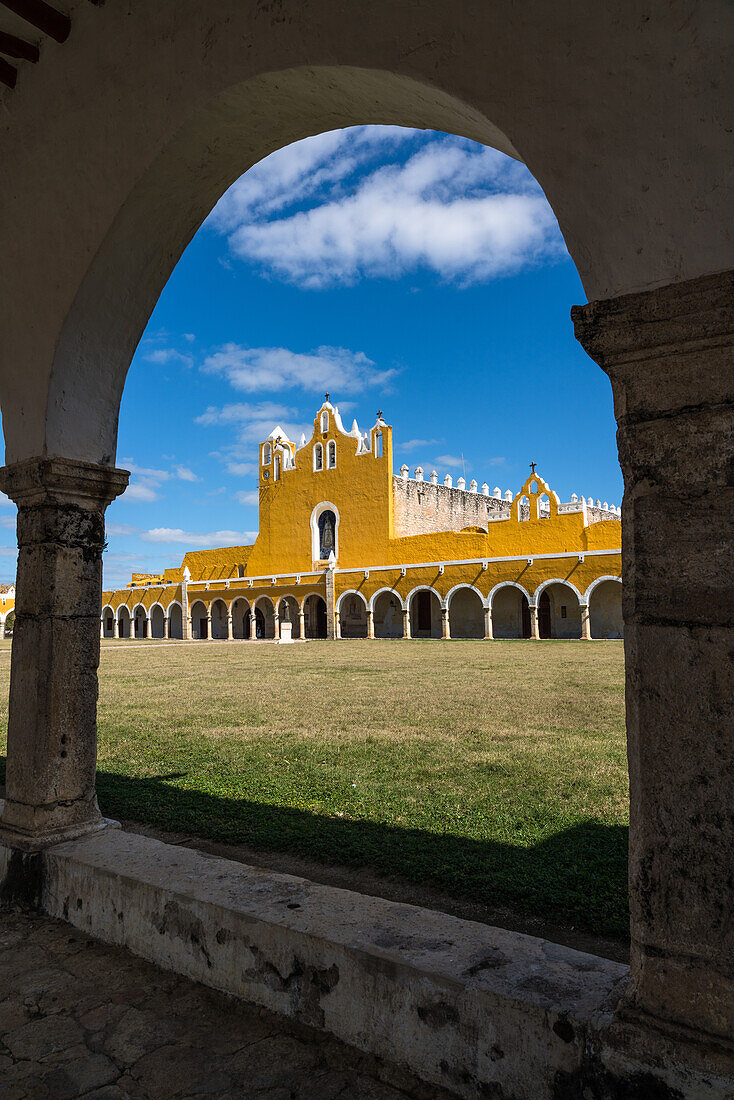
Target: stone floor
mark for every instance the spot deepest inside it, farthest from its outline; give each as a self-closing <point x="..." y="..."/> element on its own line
<point x="78" y="1018"/>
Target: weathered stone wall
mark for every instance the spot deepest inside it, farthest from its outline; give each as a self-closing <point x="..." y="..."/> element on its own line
<point x="422" y="508"/>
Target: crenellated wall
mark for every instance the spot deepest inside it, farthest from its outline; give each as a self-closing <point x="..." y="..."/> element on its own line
<point x="422" y="508"/>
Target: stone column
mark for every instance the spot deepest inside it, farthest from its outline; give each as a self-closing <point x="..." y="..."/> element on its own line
<point x="115" y="627"/>
<point x="445" y="625"/>
<point x="332" y="629"/>
<point x="337" y="624"/>
<point x="253" y="626"/>
<point x="229" y="628"/>
<point x="670" y="356"/>
<point x="406" y="623"/>
<point x="585" y="623"/>
<point x="101" y="627"/>
<point x="534" y="630"/>
<point x="186" y="632"/>
<point x="166" y="626"/>
<point x="370" y="624"/>
<point x="52" y="722"/>
<point x="208" y="626"/>
<point x="276" y="626"/>
<point x="302" y="623"/>
<point x="488" y="623"/>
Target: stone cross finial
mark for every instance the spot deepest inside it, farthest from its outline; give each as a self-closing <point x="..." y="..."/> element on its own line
<point x="379" y="414"/>
<point x="326" y="397"/>
<point x="532" y="466"/>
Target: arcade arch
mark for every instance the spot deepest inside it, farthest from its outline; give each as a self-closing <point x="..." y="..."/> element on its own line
<point x="466" y="612"/>
<point x="140" y="622"/>
<point x="175" y="620"/>
<point x="559" y="609"/>
<point x="314" y="616"/>
<point x="108" y="622"/>
<point x="157" y="621"/>
<point x="199" y="621"/>
<point x="387" y="614"/>
<point x="218" y="616"/>
<point x="124" y="622"/>
<point x="264" y="618"/>
<point x="510" y="610"/>
<point x="240" y="612"/>
<point x="424" y="606"/>
<point x="351" y="614"/>
<point x="288" y="608"/>
<point x="604" y="598"/>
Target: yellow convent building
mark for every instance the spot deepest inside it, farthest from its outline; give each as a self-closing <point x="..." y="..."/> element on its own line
<point x="347" y="549"/>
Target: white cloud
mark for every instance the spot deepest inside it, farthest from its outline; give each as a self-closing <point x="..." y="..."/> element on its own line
<point x="414" y="444"/>
<point x="451" y="460"/>
<point x="463" y="211"/>
<point x="499" y="461"/>
<point x="5" y="501"/>
<point x="185" y="474"/>
<point x="325" y="368"/>
<point x="140" y="492"/>
<point x="169" y="355"/>
<point x="120" y="530"/>
<point x="250" y="497"/>
<point x="175" y="536"/>
<point x="240" y="469"/>
<point x="9" y="522"/>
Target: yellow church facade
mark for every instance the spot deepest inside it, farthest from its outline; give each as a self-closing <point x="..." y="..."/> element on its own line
<point x="346" y="548"/>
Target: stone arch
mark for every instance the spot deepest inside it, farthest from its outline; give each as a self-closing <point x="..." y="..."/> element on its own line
<point x="466" y="606"/>
<point x="351" y="613"/>
<point x="293" y="612"/>
<point x="108" y="621"/>
<point x="425" y="613"/>
<point x="509" y="604"/>
<point x="174" y="613"/>
<point x="559" y="609"/>
<point x="9" y="623"/>
<point x="387" y="609"/>
<point x="140" y="621"/>
<point x="199" y="620"/>
<point x="157" y="621"/>
<point x="314" y="616"/>
<point x="264" y="609"/>
<point x="124" y="621"/>
<point x="316" y="514"/>
<point x="239" y="609"/>
<point x="218" y="614"/>
<point x="604" y="597"/>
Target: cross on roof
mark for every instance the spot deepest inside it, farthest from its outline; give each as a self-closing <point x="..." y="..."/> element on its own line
<point x="326" y="397"/>
<point x="379" y="414"/>
<point x="533" y="465"/>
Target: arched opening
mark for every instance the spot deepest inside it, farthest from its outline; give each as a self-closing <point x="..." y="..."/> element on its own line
<point x="388" y="616"/>
<point x="352" y="614"/>
<point x="124" y="622"/>
<point x="140" y="622"/>
<point x="466" y="614"/>
<point x="510" y="613"/>
<point x="240" y="618"/>
<point x="157" y="621"/>
<point x="605" y="610"/>
<point x="9" y="624"/>
<point x="199" y="621"/>
<point x="327" y="534"/>
<point x="559" y="612"/>
<point x="318" y="457"/>
<point x="331" y="455"/>
<point x="175" y="621"/>
<point x="288" y="612"/>
<point x="219" y="620"/>
<point x="425" y="614"/>
<point x="264" y="618"/>
<point x="314" y="612"/>
<point x="108" y="622"/>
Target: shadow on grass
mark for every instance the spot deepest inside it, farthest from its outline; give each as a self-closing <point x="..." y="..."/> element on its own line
<point x="577" y="877"/>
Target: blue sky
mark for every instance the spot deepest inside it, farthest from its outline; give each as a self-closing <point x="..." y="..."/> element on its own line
<point x="409" y="271"/>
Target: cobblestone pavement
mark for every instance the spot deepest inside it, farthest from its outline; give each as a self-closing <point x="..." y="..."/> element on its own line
<point x="78" y="1018"/>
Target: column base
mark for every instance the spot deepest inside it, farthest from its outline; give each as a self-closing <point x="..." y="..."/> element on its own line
<point x="37" y="842"/>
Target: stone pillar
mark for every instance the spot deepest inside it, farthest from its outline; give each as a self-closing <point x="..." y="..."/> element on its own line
<point x="406" y="623"/>
<point x="585" y="623"/>
<point x="332" y="630"/>
<point x="229" y="628"/>
<point x="370" y="624"/>
<point x="208" y="626"/>
<point x="488" y="623"/>
<point x="101" y="627"/>
<point x="186" y="632"/>
<point x="276" y="626"/>
<point x="166" y="626"/>
<point x="534" y="631"/>
<point x="445" y="626"/>
<point x="115" y="627"/>
<point x="670" y="356"/>
<point x="337" y="625"/>
<point x="52" y="722"/>
<point x="253" y="627"/>
<point x="302" y="623"/>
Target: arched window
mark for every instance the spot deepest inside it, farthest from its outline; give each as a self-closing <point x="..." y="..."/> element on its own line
<point x="327" y="534"/>
<point x="331" y="455"/>
<point x="266" y="454"/>
<point x="276" y="468"/>
<point x="318" y="457"/>
<point x="378" y="445"/>
<point x="324" y="421"/>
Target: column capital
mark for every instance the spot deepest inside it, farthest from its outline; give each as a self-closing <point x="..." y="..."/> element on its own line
<point x="62" y="481"/>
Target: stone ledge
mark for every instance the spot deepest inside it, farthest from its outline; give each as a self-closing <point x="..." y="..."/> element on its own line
<point x="478" y="1010"/>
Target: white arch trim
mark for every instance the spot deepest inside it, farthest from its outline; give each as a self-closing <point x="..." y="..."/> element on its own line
<point x="234" y="601"/>
<point x="107" y="607"/>
<point x="219" y="599"/>
<point x="508" y="584"/>
<point x="123" y="607"/>
<point x="194" y="603"/>
<point x="471" y="587"/>
<point x="597" y="582"/>
<point x="287" y="596"/>
<point x="390" y="592"/>
<point x="256" y="601"/>
<point x="173" y="603"/>
<point x="556" y="580"/>
<point x="307" y="597"/>
<point x="352" y="592"/>
<point x="135" y="610"/>
<point x="157" y="604"/>
<point x="423" y="588"/>
<point x="323" y="506"/>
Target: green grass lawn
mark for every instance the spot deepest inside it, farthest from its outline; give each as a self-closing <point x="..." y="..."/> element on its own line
<point x="491" y="771"/>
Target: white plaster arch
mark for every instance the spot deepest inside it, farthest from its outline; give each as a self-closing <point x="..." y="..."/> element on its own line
<point x="508" y="584"/>
<point x="352" y="592"/>
<point x="555" y="580"/>
<point x="287" y="596"/>
<point x="321" y="507"/>
<point x="231" y="604"/>
<point x="107" y="607"/>
<point x="471" y="587"/>
<point x="258" y="599"/>
<point x="423" y="588"/>
<point x="391" y="592"/>
<point x="135" y="607"/>
<point x="156" y="604"/>
<point x="597" y="582"/>
<point x="173" y="603"/>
